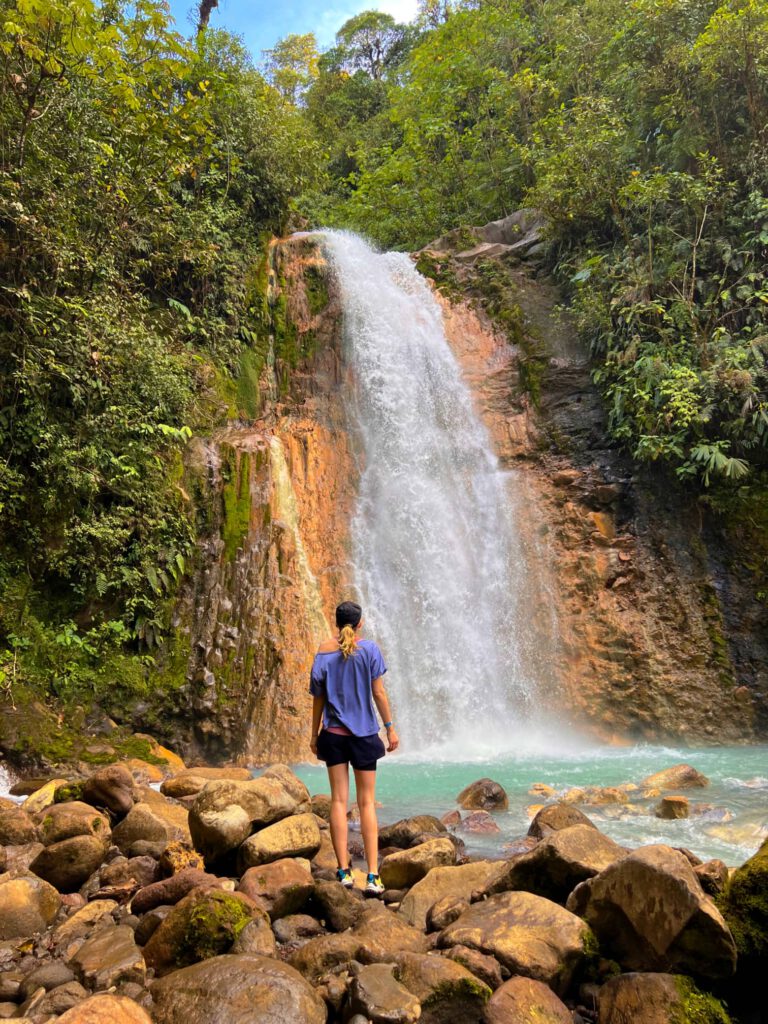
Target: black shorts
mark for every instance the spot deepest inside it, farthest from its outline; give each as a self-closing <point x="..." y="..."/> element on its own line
<point x="362" y="752"/>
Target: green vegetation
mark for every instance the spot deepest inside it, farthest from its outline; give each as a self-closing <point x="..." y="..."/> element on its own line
<point x="745" y="907"/>
<point x="698" y="1007"/>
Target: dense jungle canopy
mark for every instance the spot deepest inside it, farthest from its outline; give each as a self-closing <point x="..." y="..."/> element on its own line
<point x="141" y="171"/>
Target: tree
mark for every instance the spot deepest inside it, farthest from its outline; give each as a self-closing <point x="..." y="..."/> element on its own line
<point x="372" y="42"/>
<point x="205" y="9"/>
<point x="292" y="64"/>
<point x="435" y="12"/>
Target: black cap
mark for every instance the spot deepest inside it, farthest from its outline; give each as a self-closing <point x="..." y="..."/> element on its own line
<point x="348" y="614"/>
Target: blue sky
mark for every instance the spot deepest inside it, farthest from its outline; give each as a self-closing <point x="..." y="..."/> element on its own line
<point x="262" y="22"/>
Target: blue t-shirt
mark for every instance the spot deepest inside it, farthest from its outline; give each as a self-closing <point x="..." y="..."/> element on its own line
<point x="346" y="685"/>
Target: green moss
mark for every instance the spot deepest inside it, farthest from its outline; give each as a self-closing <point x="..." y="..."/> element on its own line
<point x="236" y="473"/>
<point x="248" y="391"/>
<point x="316" y="288"/>
<point x="70" y="791"/>
<point x="211" y="928"/>
<point x="744" y="904"/>
<point x="463" y="988"/>
<point x="439" y="269"/>
<point x="697" y="1007"/>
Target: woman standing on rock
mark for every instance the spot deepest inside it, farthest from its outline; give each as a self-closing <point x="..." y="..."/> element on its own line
<point x="345" y="682"/>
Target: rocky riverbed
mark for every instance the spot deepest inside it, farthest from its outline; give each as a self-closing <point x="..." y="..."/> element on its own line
<point x="214" y="901"/>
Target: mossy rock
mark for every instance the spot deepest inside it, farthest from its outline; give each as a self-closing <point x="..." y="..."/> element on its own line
<point x="744" y="904"/>
<point x="697" y="1007"/>
<point x="69" y="792"/>
<point x="202" y="925"/>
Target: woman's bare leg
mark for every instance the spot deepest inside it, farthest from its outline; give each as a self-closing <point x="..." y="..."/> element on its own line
<point x="365" y="783"/>
<point x="338" y="776"/>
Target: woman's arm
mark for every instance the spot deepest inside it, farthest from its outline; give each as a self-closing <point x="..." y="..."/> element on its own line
<point x="318" y="703"/>
<point x="382" y="703"/>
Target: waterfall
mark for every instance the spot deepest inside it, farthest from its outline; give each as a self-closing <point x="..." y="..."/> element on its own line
<point x="436" y="551"/>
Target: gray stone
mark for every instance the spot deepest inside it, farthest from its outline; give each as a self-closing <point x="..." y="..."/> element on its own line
<point x="109" y="957"/>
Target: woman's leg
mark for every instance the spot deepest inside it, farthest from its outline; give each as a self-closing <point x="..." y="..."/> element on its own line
<point x="338" y="775"/>
<point x="365" y="783"/>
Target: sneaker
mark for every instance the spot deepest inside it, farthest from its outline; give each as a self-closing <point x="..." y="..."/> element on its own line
<point x="374" y="886"/>
<point x="344" y="875"/>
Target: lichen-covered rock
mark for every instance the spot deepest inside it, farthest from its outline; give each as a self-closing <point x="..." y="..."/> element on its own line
<point x="403" y="869"/>
<point x="651" y="913"/>
<point x="403" y="832"/>
<point x="242" y="988"/>
<point x="66" y="820"/>
<point x="16" y="827"/>
<point x="380" y="999"/>
<point x="295" y="836"/>
<point x="459" y="881"/>
<point x="204" y="924"/>
<point x="106" y="1009"/>
<point x="169" y="891"/>
<point x="483" y="795"/>
<point x="525" y="1001"/>
<point x="225" y="813"/>
<point x="745" y="905"/>
<point x="679" y="776"/>
<point x="558" y="863"/>
<point x="555" y="817"/>
<point x="66" y="865"/>
<point x="284" y="885"/>
<point x="178" y="856"/>
<point x="112" y="787"/>
<point x="108" y="958"/>
<point x="657" y="999"/>
<point x="528" y="934"/>
<point x="447" y="991"/>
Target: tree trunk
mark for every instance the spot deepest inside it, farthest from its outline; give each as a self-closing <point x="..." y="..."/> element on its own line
<point x="204" y="13"/>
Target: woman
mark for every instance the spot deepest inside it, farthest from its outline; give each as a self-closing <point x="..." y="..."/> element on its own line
<point x="346" y="681"/>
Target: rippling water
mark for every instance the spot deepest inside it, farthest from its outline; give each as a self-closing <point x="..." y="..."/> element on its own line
<point x="738" y="785"/>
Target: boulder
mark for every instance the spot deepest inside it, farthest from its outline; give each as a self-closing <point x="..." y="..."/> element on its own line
<point x="479" y="821"/>
<point x="106" y="1009"/>
<point x="325" y="858"/>
<point x="18" y="858"/>
<point x="112" y="787"/>
<point x="169" y="891"/>
<point x="149" y="924"/>
<point x="379" y="936"/>
<point x="192" y="780"/>
<point x="403" y="832"/>
<point x="656" y="999"/>
<point x="380" y="999"/>
<point x="321" y="806"/>
<point x="66" y="820"/>
<point x="178" y="856"/>
<point x="558" y="863"/>
<point x="142" y="870"/>
<point x="83" y="921"/>
<point x="524" y="1000"/>
<point x="447" y="991"/>
<point x="679" y="776"/>
<point x="527" y="934"/>
<point x="652" y="915"/>
<point x="341" y="908"/>
<point x="66" y="865"/>
<point x="43" y="797"/>
<point x="445" y="912"/>
<point x="202" y="925"/>
<point x="47" y="976"/>
<point x="403" y="869"/>
<point x="108" y="958"/>
<point x="555" y="817"/>
<point x="486" y="968"/>
<point x="458" y="881"/>
<point x="160" y="753"/>
<point x="146" y="823"/>
<point x="243" y="988"/>
<point x="59" y="1000"/>
<point x="297" y="927"/>
<point x="295" y="836"/>
<point x="713" y="877"/>
<point x="225" y="813"/>
<point x="143" y="772"/>
<point x="672" y="807"/>
<point x="483" y="795"/>
<point x="256" y="937"/>
<point x="16" y="827"/>
<point x="284" y="885"/>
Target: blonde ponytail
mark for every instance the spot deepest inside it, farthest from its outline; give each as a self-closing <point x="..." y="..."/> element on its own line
<point x="347" y="642"/>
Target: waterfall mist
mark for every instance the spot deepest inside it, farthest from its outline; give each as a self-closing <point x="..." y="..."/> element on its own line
<point x="436" y="550"/>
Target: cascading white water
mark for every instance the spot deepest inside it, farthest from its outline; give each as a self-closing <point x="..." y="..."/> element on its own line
<point x="436" y="552"/>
